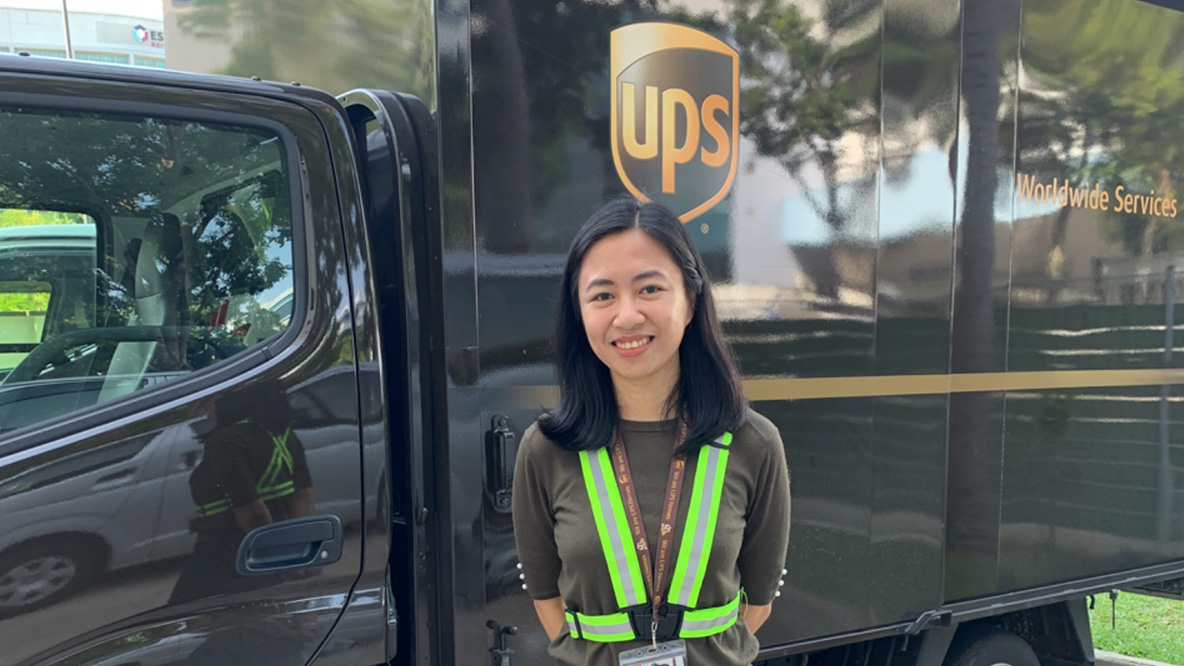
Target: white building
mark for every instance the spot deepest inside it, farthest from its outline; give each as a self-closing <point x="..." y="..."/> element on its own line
<point x="128" y="32"/>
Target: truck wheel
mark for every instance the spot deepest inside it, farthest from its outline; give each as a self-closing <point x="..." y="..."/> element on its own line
<point x="40" y="574"/>
<point x="997" y="648"/>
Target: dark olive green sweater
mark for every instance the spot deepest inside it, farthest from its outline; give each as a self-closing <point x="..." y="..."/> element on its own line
<point x="561" y="553"/>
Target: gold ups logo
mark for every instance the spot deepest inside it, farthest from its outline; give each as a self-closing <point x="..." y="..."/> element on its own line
<point x="675" y="115"/>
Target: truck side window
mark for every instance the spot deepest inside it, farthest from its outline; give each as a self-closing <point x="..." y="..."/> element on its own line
<point x="133" y="251"/>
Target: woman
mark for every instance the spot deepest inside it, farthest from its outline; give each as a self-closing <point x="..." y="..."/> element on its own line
<point x="613" y="551"/>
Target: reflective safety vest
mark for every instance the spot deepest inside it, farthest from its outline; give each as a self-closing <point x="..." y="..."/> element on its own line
<point x="275" y="482"/>
<point x="633" y="621"/>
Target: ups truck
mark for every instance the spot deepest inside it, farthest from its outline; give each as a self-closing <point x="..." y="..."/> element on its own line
<point x="946" y="241"/>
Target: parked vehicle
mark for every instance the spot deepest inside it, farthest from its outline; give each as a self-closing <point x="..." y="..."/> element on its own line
<point x="945" y="237"/>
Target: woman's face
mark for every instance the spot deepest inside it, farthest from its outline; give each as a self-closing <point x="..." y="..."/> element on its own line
<point x="634" y="306"/>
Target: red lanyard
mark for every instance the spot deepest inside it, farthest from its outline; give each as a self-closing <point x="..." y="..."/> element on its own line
<point x="653" y="572"/>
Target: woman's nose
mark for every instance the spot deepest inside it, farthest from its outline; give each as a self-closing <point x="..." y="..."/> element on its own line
<point x="628" y="314"/>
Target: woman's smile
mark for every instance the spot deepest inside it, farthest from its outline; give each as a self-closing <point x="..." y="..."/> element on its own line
<point x="630" y="346"/>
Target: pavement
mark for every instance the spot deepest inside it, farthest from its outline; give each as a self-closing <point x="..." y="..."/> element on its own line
<point x="1103" y="658"/>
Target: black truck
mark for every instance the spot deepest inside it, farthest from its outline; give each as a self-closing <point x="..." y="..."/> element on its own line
<point x="266" y="352"/>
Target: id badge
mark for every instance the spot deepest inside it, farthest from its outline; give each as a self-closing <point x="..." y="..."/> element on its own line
<point x="669" y="653"/>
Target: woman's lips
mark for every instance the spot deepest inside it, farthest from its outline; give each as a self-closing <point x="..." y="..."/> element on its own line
<point x="634" y="346"/>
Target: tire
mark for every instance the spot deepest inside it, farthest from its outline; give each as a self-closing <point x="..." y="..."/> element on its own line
<point x="995" y="648"/>
<point x="42" y="573"/>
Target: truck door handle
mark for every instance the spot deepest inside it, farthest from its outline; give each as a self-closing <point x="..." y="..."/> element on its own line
<point x="501" y="448"/>
<point x="290" y="544"/>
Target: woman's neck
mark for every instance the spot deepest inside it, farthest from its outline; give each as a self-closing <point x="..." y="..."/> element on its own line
<point x="645" y="400"/>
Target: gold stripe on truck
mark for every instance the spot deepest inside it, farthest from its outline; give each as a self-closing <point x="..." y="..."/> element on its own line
<point x="814" y="388"/>
<point x="808" y="388"/>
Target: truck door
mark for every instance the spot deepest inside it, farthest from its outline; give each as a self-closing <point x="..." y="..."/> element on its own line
<point x="174" y="310"/>
<point x="397" y="169"/>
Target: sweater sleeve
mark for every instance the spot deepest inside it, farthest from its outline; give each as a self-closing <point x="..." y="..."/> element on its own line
<point x="534" y="521"/>
<point x="766" y="533"/>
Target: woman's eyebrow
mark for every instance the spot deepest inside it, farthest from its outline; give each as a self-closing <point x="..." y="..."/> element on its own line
<point x="599" y="282"/>
<point x="645" y="275"/>
<point x="606" y="282"/>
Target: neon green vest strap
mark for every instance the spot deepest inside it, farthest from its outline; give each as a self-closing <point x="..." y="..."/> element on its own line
<point x="621" y="555"/>
<point x="709" y="621"/>
<point x="699" y="527"/>
<point x="615" y="627"/>
<point x="268" y="487"/>
<point x="609" y="513"/>
<point x="611" y="628"/>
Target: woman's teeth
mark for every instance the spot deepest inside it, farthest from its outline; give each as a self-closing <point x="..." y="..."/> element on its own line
<point x="633" y="345"/>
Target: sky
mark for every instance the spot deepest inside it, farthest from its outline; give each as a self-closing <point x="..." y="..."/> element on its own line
<point x="149" y="9"/>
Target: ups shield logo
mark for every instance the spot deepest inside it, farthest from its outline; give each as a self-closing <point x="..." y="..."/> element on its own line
<point x="675" y="115"/>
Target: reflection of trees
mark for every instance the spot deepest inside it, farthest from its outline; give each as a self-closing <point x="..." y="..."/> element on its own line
<point x="804" y="89"/>
<point x="1098" y="111"/>
<point x="143" y="169"/>
<point x="806" y="86"/>
<point x="801" y="94"/>
<point x="1106" y="84"/>
<point x="336" y="46"/>
<point x="812" y="99"/>
<point x="973" y="502"/>
<point x="529" y="55"/>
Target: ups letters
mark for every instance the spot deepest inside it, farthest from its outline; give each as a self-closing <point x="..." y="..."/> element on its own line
<point x="675" y="149"/>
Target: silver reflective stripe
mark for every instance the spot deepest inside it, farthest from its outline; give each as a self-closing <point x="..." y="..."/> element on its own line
<point x="705" y="625"/>
<point x="604" y="630"/>
<point x="706" y="508"/>
<point x="681" y="590"/>
<point x="613" y="528"/>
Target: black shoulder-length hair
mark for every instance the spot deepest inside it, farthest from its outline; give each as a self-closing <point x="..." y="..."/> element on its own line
<point x="708" y="397"/>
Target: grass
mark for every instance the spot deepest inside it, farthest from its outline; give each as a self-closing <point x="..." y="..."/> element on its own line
<point x="1147" y="627"/>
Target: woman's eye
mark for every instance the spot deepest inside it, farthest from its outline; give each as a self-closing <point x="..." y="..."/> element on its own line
<point x="651" y="289"/>
<point x="602" y="296"/>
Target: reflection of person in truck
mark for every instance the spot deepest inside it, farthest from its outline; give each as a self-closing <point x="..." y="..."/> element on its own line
<point x="253" y="473"/>
<point x="649" y="398"/>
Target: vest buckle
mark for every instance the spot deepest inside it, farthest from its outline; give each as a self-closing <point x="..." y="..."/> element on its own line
<point x="669" y="621"/>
